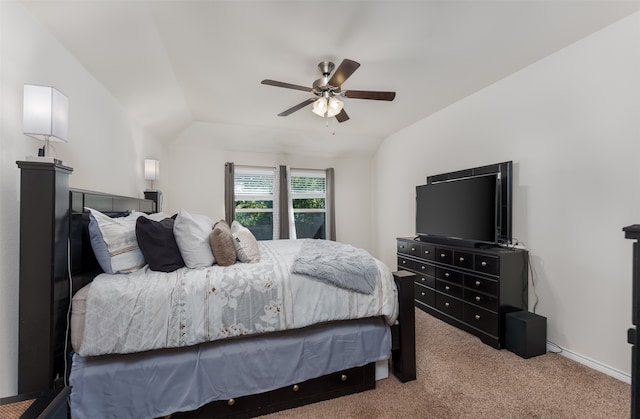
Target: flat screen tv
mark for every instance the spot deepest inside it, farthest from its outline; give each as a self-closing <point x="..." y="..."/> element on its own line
<point x="462" y="209"/>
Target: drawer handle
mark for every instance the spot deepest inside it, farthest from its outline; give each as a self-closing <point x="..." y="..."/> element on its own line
<point x="446" y="274"/>
<point x="447" y="287"/>
<point x="404" y="261"/>
<point x="478" y="283"/>
<point x="423" y="279"/>
<point x="446" y="304"/>
<point x="484" y="264"/>
<point x="343" y="377"/>
<point x="296" y="387"/>
<point x="477" y="317"/>
<point x="231" y="402"/>
<point x="477" y="298"/>
<point x="442" y="255"/>
<point x="413" y="249"/>
<point x="423" y="294"/>
<point x="461" y="259"/>
<point x="423" y="267"/>
<point x="426" y="252"/>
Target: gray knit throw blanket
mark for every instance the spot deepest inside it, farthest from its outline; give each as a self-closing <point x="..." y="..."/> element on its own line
<point x="339" y="264"/>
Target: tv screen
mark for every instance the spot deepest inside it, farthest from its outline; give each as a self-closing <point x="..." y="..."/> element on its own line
<point x="460" y="209"/>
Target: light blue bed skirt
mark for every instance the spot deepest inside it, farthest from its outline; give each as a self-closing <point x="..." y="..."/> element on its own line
<point x="158" y="383"/>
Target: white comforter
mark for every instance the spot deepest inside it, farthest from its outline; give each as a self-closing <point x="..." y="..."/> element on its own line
<point x="148" y="310"/>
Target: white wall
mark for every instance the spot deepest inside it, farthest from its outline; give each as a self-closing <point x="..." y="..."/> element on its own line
<point x="198" y="164"/>
<point x="105" y="149"/>
<point x="570" y="124"/>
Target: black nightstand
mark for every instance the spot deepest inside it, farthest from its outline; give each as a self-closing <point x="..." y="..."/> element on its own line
<point x="47" y="404"/>
<point x="155" y="196"/>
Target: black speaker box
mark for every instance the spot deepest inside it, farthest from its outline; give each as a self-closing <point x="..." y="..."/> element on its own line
<point x="525" y="334"/>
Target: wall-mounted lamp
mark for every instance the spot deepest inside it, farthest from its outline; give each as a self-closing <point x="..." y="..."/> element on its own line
<point x="45" y="115"/>
<point x="151" y="170"/>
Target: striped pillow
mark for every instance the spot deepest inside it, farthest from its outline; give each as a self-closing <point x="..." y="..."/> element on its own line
<point x="114" y="242"/>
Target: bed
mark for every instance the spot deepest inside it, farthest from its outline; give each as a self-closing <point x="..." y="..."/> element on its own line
<point x="244" y="374"/>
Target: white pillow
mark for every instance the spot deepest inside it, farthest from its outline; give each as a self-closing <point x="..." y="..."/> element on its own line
<point x="156" y="216"/>
<point x="192" y="236"/>
<point x="245" y="243"/>
<point x="114" y="242"/>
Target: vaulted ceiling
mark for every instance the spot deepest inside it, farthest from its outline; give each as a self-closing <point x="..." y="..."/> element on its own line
<point x="196" y="66"/>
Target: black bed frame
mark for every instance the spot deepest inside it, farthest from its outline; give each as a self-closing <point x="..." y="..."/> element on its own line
<point x="60" y="233"/>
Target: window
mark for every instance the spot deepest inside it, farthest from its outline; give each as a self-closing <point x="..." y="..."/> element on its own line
<point x="309" y="195"/>
<point x="278" y="202"/>
<point x="253" y="189"/>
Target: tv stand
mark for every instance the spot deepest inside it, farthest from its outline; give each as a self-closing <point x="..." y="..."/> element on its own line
<point x="468" y="287"/>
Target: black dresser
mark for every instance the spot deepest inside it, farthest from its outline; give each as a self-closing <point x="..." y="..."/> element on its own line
<point x="470" y="288"/>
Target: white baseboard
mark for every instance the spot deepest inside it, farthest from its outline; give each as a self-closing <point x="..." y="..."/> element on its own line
<point x="552" y="347"/>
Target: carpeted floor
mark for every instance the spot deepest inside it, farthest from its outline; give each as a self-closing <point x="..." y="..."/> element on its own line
<point x="460" y="377"/>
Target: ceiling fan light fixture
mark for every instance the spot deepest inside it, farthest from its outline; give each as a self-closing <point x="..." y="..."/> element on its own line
<point x="326" y="91"/>
<point x="335" y="107"/>
<point x="320" y="107"/>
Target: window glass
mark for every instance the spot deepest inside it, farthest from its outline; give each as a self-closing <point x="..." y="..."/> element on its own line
<point x="253" y="188"/>
<point x="309" y="193"/>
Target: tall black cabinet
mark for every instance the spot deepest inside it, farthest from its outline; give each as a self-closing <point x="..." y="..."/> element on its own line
<point x="44" y="288"/>
<point x="633" y="232"/>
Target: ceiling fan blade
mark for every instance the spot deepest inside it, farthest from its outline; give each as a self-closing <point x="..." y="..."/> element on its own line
<point x="366" y="94"/>
<point x="346" y="69"/>
<point x="286" y="85"/>
<point x="342" y="116"/>
<point x="298" y="107"/>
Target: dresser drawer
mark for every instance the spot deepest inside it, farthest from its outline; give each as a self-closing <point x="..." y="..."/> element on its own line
<point x="403" y="246"/>
<point x="481" y="284"/>
<point x="481" y="319"/>
<point x="424" y="268"/>
<point x="486" y="264"/>
<point x="444" y="255"/>
<point x="449" y="305"/>
<point x="405" y="264"/>
<point x="463" y="259"/>
<point x="427" y="251"/>
<point x="449" y="275"/>
<point x="413" y="249"/>
<point x="425" y="295"/>
<point x="425" y="280"/>
<point x="448" y="288"/>
<point x="483" y="300"/>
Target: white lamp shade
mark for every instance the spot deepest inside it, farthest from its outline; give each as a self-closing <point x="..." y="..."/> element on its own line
<point x="45" y="113"/>
<point x="335" y="107"/>
<point x="151" y="169"/>
<point x="320" y="106"/>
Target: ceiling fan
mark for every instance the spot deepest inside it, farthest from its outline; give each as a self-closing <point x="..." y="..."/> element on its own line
<point x="327" y="90"/>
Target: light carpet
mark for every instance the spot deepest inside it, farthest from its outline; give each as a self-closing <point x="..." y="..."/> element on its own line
<point x="460" y="377"/>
